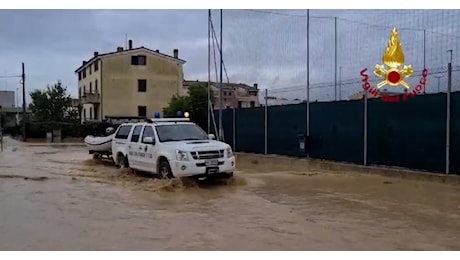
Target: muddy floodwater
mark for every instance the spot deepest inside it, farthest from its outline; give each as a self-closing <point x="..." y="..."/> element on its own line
<point x="58" y="198"/>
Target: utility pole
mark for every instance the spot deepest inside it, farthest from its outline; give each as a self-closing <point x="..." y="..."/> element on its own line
<point x="23" y="121"/>
<point x="209" y="72"/>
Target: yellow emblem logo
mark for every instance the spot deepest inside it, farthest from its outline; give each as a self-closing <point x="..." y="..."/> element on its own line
<point x="393" y="58"/>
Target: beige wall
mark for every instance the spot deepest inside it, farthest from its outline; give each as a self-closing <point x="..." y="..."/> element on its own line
<point x="120" y="96"/>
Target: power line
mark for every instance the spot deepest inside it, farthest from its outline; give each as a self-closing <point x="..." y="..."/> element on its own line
<point x="324" y="85"/>
<point x="11" y="76"/>
<point x="350" y="21"/>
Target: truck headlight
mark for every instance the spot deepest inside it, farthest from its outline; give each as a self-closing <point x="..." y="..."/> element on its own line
<point x="229" y="152"/>
<point x="181" y="155"/>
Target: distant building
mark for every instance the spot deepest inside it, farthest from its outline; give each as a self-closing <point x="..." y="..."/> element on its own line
<point x="360" y="95"/>
<point x="75" y="102"/>
<point x="234" y="95"/>
<point x="131" y="82"/>
<point x="275" y="101"/>
<point x="7" y="98"/>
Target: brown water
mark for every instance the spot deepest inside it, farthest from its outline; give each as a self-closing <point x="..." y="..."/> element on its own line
<point x="57" y="198"/>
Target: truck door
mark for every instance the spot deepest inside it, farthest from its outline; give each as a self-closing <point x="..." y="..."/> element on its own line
<point x="134" y="149"/>
<point x="149" y="161"/>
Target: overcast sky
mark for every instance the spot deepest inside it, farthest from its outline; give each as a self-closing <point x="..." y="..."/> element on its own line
<point x="263" y="48"/>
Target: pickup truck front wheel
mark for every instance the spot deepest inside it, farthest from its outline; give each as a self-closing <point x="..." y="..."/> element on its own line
<point x="164" y="170"/>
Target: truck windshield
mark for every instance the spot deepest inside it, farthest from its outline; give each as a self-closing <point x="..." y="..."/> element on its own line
<point x="180" y="132"/>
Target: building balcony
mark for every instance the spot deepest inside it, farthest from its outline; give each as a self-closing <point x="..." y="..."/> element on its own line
<point x="91" y="98"/>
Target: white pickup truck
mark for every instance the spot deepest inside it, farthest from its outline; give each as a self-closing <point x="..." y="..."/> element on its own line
<point x="171" y="147"/>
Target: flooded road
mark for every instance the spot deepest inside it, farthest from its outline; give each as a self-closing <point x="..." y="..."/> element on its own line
<point x="58" y="198"/>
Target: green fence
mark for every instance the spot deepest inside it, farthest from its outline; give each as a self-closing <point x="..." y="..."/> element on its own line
<point x="410" y="134"/>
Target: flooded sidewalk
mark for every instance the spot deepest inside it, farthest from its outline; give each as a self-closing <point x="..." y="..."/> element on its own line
<point x="58" y="198"/>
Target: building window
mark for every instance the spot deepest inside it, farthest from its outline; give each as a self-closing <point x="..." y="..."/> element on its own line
<point x="90" y="69"/>
<point x="90" y="113"/>
<point x="95" y="86"/>
<point x="95" y="112"/>
<point x="142" y="111"/>
<point x="79" y="92"/>
<point x="79" y="75"/>
<point x="91" y="87"/>
<point x="240" y="104"/>
<point x="84" y="90"/>
<point x="253" y="103"/>
<point x="84" y="73"/>
<point x="96" y="65"/>
<point x="84" y="113"/>
<point x="142" y="85"/>
<point x="139" y="60"/>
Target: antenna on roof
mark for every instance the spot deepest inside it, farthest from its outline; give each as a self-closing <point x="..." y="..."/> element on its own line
<point x="126" y="41"/>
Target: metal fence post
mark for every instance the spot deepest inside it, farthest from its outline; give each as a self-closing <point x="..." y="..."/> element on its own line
<point x="234" y="128"/>
<point x="308" y="83"/>
<point x="365" y="128"/>
<point x="266" y="121"/>
<point x="335" y="58"/>
<point x="449" y="89"/>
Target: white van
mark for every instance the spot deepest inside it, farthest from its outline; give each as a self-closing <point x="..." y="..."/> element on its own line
<point x="171" y="147"/>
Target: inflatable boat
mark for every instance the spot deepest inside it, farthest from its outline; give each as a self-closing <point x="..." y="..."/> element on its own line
<point x="99" y="145"/>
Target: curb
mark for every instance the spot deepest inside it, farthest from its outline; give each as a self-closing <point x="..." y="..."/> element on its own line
<point x="339" y="167"/>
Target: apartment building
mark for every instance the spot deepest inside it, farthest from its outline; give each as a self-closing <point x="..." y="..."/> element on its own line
<point x="128" y="82"/>
<point x="234" y="95"/>
<point x="7" y="98"/>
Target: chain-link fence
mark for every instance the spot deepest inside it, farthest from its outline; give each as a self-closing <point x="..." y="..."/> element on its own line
<point x="270" y="48"/>
<point x="336" y="122"/>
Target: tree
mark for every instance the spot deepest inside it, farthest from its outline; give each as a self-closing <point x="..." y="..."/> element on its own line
<point x="177" y="103"/>
<point x="196" y="103"/>
<point x="51" y="104"/>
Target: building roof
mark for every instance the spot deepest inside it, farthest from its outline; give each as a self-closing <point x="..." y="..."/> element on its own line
<point x="228" y="86"/>
<point x="157" y="53"/>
